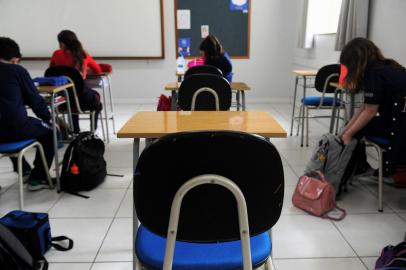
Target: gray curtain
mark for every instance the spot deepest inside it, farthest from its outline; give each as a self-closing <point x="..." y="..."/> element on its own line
<point x="353" y="22"/>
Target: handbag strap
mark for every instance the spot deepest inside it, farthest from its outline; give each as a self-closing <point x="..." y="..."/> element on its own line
<point x="62" y="238"/>
<point x="341" y="217"/>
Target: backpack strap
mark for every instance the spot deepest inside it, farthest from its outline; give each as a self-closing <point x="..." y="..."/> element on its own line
<point x="62" y="238"/>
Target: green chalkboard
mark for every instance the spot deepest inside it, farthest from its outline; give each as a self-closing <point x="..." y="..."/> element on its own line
<point x="229" y="20"/>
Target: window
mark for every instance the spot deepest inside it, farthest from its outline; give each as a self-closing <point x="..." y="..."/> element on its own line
<point x="322" y="18"/>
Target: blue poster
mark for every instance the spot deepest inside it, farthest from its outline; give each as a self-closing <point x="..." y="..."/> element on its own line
<point x="184" y="46"/>
<point x="239" y="5"/>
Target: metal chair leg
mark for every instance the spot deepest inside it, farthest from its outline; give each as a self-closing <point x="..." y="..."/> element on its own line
<point x="307" y="126"/>
<point x="303" y="125"/>
<point x="45" y="164"/>
<point x="20" y="180"/>
<point x="380" y="179"/>
<point x="299" y="119"/>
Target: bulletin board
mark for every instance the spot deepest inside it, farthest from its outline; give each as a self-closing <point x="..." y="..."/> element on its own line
<point x="228" y="20"/>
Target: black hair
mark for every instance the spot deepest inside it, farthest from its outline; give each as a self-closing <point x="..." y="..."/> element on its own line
<point x="212" y="49"/>
<point x="71" y="42"/>
<point x="9" y="49"/>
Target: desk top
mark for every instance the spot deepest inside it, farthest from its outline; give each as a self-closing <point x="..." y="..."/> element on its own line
<point x="49" y="89"/>
<point x="304" y="72"/>
<point x="240" y="86"/>
<point x="156" y="124"/>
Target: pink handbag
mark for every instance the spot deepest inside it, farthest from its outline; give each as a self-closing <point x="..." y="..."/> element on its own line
<point x="316" y="196"/>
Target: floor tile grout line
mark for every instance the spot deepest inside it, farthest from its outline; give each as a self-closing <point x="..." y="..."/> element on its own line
<point x="345" y="239"/>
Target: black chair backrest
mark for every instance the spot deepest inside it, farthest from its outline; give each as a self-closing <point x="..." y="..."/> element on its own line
<point x="205" y="101"/>
<point x="208" y="212"/>
<point x="203" y="69"/>
<point x="325" y="76"/>
<point x="73" y="74"/>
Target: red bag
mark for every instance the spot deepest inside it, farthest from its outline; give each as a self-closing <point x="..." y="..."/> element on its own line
<point x="400" y="177"/>
<point x="164" y="103"/>
<point x="316" y="196"/>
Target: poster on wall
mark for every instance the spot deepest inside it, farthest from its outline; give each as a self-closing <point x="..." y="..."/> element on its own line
<point x="239" y="5"/>
<point x="205" y="31"/>
<point x="183" y="18"/>
<point x="184" y="46"/>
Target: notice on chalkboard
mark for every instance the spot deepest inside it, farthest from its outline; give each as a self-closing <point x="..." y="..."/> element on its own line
<point x="239" y="5"/>
<point x="183" y="18"/>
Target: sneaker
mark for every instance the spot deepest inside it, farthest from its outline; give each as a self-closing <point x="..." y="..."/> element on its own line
<point x="35" y="185"/>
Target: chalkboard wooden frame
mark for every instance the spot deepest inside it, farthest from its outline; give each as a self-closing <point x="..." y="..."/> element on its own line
<point x="247" y="56"/>
<point x="162" y="56"/>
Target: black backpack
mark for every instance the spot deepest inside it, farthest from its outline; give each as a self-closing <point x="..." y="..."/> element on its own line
<point x="84" y="167"/>
<point x="13" y="254"/>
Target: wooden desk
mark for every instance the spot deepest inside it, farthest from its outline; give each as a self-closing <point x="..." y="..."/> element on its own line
<point x="300" y="74"/>
<point x="103" y="81"/>
<point x="240" y="87"/>
<point x="157" y="124"/>
<point x="53" y="91"/>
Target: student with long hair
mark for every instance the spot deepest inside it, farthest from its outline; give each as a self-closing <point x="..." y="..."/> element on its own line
<point x="17" y="92"/>
<point x="71" y="53"/>
<point x="383" y="81"/>
<point x="214" y="55"/>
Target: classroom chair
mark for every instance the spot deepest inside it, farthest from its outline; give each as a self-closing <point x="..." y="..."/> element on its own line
<point x="206" y="69"/>
<point x="395" y="145"/>
<point x="18" y="149"/>
<point x="324" y="77"/>
<point x="207" y="200"/>
<point x="204" y="92"/>
<point x="76" y="78"/>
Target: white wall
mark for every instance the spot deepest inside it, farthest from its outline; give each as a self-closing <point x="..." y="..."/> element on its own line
<point x="387" y="28"/>
<point x="268" y="71"/>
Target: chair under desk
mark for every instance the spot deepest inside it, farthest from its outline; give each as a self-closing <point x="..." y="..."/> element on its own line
<point x="157" y="124"/>
<point x="240" y="87"/>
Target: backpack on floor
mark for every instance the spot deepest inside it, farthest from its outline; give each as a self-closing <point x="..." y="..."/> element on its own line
<point x="83" y="166"/>
<point x="331" y="157"/>
<point x="392" y="257"/>
<point x="13" y="254"/>
<point x="34" y="232"/>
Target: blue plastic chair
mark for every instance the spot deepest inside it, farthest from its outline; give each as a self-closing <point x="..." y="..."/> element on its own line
<point x="18" y="149"/>
<point x="205" y="207"/>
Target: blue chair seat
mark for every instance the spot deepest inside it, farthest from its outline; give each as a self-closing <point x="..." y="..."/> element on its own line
<point x="383" y="142"/>
<point x="315" y="101"/>
<point x="150" y="250"/>
<point x="14" y="147"/>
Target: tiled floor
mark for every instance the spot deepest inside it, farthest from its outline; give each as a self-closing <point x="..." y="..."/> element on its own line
<point x="101" y="225"/>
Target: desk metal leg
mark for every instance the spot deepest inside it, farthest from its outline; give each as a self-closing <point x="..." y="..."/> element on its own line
<point x="174" y="100"/>
<point x="136" y="153"/>
<point x="106" y="116"/>
<point x="111" y="103"/>
<point x="243" y="100"/>
<point x="304" y="109"/>
<point x="237" y="99"/>
<point x="55" y="139"/>
<point x="333" y="112"/>
<point x="294" y="106"/>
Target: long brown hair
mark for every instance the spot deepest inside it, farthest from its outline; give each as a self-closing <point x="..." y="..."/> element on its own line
<point x="212" y="49"/>
<point x="357" y="55"/>
<point x="70" y="40"/>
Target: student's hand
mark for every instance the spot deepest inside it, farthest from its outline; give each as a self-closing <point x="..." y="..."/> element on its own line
<point x="345" y="138"/>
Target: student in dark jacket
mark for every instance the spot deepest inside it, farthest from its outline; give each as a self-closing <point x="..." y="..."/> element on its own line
<point x="17" y="91"/>
<point x="384" y="83"/>
<point x="214" y="55"/>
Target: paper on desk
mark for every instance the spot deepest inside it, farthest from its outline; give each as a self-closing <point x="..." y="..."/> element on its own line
<point x="183" y="18"/>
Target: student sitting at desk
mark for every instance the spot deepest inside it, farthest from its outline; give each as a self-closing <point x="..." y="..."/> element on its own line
<point x="17" y="91"/>
<point x="384" y="83"/>
<point x="214" y="55"/>
<point x="71" y="53"/>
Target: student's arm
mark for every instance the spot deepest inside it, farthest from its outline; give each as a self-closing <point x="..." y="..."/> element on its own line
<point x="93" y="65"/>
<point x="32" y="98"/>
<point x="353" y="120"/>
<point x="228" y="67"/>
<point x="368" y="112"/>
<point x="52" y="63"/>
